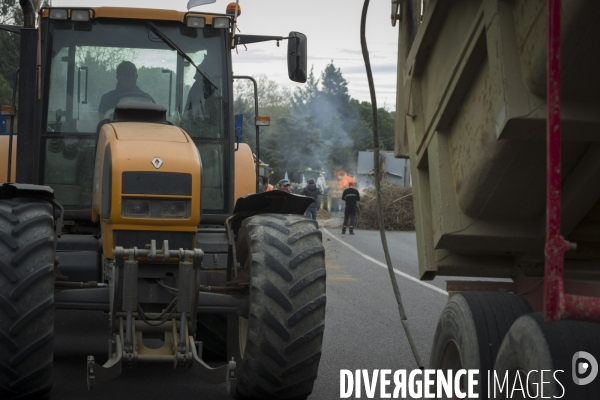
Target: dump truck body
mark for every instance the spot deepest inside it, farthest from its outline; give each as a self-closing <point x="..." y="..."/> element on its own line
<point x="473" y="87"/>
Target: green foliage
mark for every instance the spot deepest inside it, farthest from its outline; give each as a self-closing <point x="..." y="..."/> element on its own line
<point x="10" y="14"/>
<point x="5" y="92"/>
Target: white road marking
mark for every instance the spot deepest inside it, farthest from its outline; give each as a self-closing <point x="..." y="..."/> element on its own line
<point x="374" y="261"/>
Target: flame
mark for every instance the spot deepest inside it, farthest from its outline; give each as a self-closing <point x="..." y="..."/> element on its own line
<point x="343" y="179"/>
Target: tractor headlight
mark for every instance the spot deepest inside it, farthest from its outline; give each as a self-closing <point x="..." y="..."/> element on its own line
<point x="220" y="22"/>
<point x="58" y="13"/>
<point x="195" y="22"/>
<point x="80" y="15"/>
<point x="173" y="209"/>
<point x="137" y="208"/>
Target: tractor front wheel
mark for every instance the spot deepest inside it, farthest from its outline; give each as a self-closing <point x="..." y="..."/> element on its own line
<point x="26" y="298"/>
<point x="280" y="342"/>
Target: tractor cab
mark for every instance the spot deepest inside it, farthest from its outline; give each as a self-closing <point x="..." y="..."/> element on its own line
<point x="95" y="59"/>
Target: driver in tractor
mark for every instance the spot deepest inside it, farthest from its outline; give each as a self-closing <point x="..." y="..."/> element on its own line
<point x="126" y="87"/>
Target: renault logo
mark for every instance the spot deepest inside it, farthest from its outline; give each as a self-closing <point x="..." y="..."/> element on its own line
<point x="157" y="162"/>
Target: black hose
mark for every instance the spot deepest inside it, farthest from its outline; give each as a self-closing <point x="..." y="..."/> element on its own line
<point x="403" y="318"/>
<point x="163" y="317"/>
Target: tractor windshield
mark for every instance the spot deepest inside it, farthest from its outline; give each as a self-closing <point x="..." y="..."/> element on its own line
<point x="107" y="61"/>
<point x="116" y="61"/>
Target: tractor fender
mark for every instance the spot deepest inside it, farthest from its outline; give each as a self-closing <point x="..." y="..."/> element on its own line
<point x="12" y="190"/>
<point x="272" y="202"/>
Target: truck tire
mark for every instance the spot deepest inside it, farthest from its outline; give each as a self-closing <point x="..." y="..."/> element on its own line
<point x="280" y="342"/>
<point x="470" y="331"/>
<point x="211" y="330"/>
<point x="26" y="298"/>
<point x="534" y="344"/>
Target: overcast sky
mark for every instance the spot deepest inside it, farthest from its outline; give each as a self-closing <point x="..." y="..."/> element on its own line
<point x="331" y="26"/>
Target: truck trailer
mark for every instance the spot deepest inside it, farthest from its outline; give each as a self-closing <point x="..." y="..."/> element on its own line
<point x="486" y="88"/>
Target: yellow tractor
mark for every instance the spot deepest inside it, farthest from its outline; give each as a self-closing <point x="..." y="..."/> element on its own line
<point x="134" y="198"/>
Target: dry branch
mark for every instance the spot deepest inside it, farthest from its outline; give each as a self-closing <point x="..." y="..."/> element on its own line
<point x="398" y="211"/>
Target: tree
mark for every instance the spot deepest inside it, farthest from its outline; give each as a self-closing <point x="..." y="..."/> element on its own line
<point x="10" y="14"/>
<point x="305" y="97"/>
<point x="334" y="85"/>
<point x="274" y="101"/>
<point x="5" y="92"/>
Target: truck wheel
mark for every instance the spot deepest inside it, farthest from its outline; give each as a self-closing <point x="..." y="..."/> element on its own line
<point x="26" y="298"/>
<point x="470" y="331"/>
<point x="280" y="342"/>
<point x="211" y="330"/>
<point x="534" y="344"/>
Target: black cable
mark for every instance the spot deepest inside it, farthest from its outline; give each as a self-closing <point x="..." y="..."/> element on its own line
<point x="403" y="318"/>
<point x="170" y="289"/>
<point x="166" y="315"/>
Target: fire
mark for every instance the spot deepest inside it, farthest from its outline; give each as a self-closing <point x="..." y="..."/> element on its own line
<point x="344" y="179"/>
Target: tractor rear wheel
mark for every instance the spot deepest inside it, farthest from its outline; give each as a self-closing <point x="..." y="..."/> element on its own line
<point x="280" y="342"/>
<point x="26" y="298"/>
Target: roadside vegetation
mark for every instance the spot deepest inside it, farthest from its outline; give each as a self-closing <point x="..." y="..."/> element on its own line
<point x="397" y="204"/>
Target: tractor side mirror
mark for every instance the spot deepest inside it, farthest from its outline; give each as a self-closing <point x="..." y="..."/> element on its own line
<point x="297" y="61"/>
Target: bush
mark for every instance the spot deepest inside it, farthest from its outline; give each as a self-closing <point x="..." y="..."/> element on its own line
<point x="397" y="204"/>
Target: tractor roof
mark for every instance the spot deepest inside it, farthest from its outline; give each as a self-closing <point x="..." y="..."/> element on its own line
<point x="139" y="13"/>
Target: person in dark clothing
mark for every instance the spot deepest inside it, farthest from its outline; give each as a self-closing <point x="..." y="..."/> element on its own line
<point x="350" y="196"/>
<point x="126" y="84"/>
<point x="311" y="190"/>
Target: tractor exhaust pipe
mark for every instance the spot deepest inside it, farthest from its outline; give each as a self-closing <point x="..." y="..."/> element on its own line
<point x="28" y="13"/>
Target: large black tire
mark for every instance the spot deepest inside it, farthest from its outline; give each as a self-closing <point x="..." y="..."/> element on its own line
<point x="534" y="344"/>
<point x="281" y="346"/>
<point x="26" y="298"/>
<point x="211" y="330"/>
<point x="470" y="331"/>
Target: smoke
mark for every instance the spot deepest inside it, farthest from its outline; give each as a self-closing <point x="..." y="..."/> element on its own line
<point x="318" y="127"/>
<point x="324" y="110"/>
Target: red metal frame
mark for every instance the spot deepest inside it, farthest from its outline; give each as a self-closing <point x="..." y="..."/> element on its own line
<point x="556" y="304"/>
<point x="556" y="245"/>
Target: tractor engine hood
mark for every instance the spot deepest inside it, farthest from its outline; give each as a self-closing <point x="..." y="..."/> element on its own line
<point x="141" y="168"/>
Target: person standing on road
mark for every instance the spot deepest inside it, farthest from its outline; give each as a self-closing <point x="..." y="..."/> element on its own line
<point x="350" y="196"/>
<point x="311" y="190"/>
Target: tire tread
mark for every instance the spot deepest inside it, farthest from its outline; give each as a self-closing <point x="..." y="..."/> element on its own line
<point x="26" y="298"/>
<point x="286" y="309"/>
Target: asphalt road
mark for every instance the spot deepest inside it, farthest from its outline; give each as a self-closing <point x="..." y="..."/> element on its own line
<point x="363" y="329"/>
